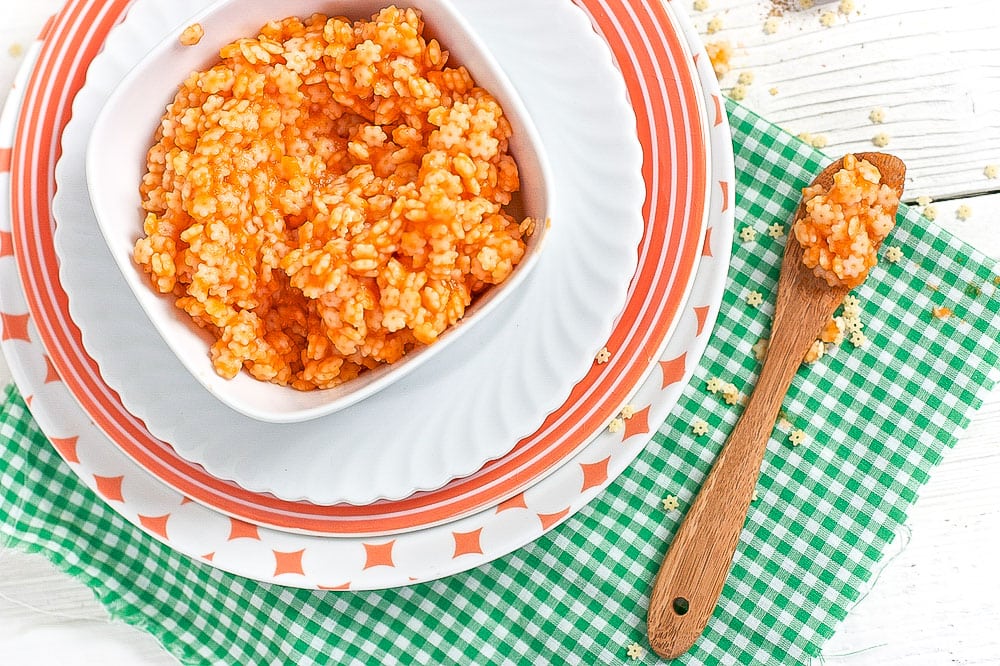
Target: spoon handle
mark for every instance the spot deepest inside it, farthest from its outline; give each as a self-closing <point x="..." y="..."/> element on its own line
<point x="694" y="571"/>
<point x="697" y="563"/>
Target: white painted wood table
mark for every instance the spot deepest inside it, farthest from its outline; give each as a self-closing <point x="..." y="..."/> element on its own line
<point x="933" y="66"/>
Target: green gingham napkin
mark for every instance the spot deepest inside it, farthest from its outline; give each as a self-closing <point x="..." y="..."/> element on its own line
<point x="876" y="419"/>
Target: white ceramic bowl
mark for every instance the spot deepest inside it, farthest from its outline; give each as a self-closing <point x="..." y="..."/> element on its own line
<point x="116" y="162"/>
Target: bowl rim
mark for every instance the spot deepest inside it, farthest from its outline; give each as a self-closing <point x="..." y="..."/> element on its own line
<point x="377" y="379"/>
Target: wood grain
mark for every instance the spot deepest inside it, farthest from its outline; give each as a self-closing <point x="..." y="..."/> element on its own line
<point x="932" y="65"/>
<point x="697" y="563"/>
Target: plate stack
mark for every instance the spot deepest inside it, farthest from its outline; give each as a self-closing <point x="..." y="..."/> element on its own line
<point x="487" y="445"/>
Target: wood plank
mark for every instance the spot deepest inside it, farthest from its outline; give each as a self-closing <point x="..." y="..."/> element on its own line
<point x="930" y="64"/>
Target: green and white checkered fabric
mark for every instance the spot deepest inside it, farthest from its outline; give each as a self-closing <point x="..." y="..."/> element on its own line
<point x="876" y="419"/>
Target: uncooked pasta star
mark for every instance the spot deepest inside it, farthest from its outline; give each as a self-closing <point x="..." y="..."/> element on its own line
<point x="759" y="349"/>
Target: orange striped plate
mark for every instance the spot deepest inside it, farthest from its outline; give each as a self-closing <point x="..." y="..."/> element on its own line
<point x="672" y="126"/>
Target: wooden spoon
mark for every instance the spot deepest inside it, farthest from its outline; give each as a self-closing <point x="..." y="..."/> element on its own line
<point x="694" y="570"/>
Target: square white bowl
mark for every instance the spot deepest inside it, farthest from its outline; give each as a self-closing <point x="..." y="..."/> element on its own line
<point x="116" y="163"/>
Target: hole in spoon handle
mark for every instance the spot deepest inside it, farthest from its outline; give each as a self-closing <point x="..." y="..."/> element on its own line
<point x="680" y="606"/>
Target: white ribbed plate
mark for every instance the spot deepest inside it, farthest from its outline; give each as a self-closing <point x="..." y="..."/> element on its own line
<point x="360" y="561"/>
<point x="470" y="404"/>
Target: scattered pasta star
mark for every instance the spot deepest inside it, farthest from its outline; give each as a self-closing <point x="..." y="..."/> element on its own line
<point x="15" y="50"/>
<point x="797" y="437"/>
<point x="815" y="352"/>
<point x="719" y="53"/>
<point x="700" y="5"/>
<point x="754" y="497"/>
<point x="745" y="78"/>
<point x="818" y="141"/>
<point x="738" y="92"/>
<point x="877" y="115"/>
<point x="858" y="339"/>
<point x="628" y="411"/>
<point x="755" y="298"/>
<point x="772" y="91"/>
<point x="759" y="348"/>
<point x="714" y="385"/>
<point x="616" y="425"/>
<point x="603" y="356"/>
<point x="670" y="503"/>
<point x="730" y="393"/>
<point x="833" y="332"/>
<point x="771" y="25"/>
<point x="699" y="427"/>
<point x="776" y="230"/>
<point x="881" y="139"/>
<point x="964" y="212"/>
<point x="192" y="34"/>
<point x="714" y="25"/>
<point x="931" y="213"/>
<point x="748" y="234"/>
<point x="894" y="254"/>
<point x="845" y="6"/>
<point x="924" y="200"/>
<point x="853" y="324"/>
<point x="634" y="651"/>
<point x="827" y="19"/>
<point x="992" y="171"/>
<point x="942" y="312"/>
<point x="806" y="4"/>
